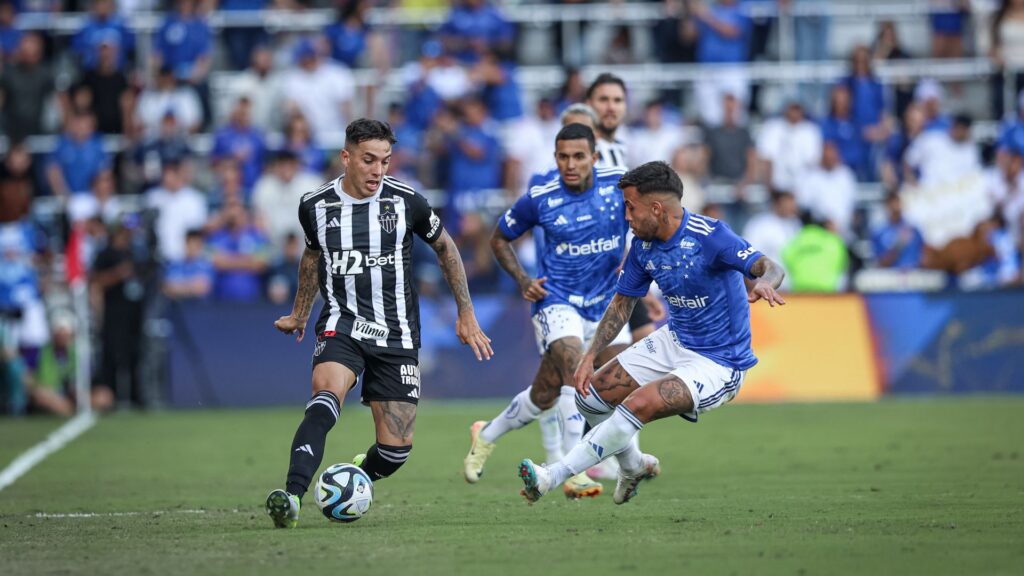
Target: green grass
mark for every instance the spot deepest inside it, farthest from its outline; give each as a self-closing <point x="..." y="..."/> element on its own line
<point x="897" y="487"/>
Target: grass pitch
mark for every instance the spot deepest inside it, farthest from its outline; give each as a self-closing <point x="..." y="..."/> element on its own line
<point x="897" y="487"/>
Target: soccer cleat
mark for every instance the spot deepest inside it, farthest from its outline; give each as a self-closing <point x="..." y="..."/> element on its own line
<point x="358" y="460"/>
<point x="581" y="486"/>
<point x="479" y="451"/>
<point x="628" y="485"/>
<point x="536" y="480"/>
<point x="283" y="509"/>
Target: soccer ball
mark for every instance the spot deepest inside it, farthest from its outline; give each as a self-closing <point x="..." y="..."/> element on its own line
<point x="344" y="493"/>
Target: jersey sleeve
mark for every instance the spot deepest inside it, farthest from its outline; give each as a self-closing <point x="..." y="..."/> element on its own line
<point x="425" y="223"/>
<point x="308" y="228"/>
<point x="731" y="251"/>
<point x="519" y="218"/>
<point x="633" y="280"/>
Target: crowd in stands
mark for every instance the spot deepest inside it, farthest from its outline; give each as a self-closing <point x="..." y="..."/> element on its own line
<point x="159" y="216"/>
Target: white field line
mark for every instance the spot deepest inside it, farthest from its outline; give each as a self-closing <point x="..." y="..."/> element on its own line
<point x="58" y="439"/>
<point x="112" y="514"/>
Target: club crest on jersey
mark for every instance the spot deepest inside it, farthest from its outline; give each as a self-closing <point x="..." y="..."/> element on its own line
<point x="689" y="245"/>
<point x="388" y="218"/>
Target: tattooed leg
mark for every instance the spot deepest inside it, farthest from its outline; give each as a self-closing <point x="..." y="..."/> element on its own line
<point x="662" y="398"/>
<point x="394" y="422"/>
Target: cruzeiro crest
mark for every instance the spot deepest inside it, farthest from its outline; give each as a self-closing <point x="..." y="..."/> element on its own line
<point x="388" y="217"/>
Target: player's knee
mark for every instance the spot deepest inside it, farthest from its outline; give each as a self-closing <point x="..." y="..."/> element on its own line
<point x="642" y="406"/>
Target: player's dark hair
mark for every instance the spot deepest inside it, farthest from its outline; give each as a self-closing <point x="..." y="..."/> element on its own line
<point x="605" y="78"/>
<point x="195" y="233"/>
<point x="577" y="131"/>
<point x="653" y="178"/>
<point x="367" y="129"/>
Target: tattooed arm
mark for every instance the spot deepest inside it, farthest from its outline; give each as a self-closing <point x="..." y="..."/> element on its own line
<point x="304" y="296"/>
<point x="769" y="277"/>
<point x="531" y="288"/>
<point x="615" y="317"/>
<point x="466" y="327"/>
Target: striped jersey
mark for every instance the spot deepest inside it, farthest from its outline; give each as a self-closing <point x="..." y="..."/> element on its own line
<point x="365" y="271"/>
<point x="611" y="154"/>
<point x="584" y="238"/>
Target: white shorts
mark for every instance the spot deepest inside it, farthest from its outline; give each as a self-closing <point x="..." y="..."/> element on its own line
<point x="559" y="321"/>
<point x="659" y="355"/>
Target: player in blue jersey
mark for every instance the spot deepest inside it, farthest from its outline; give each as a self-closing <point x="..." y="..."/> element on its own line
<point x="583" y="218"/>
<point x="695" y="363"/>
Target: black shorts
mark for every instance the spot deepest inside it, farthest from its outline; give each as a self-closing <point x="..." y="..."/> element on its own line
<point x="387" y="373"/>
<point x="639" y="317"/>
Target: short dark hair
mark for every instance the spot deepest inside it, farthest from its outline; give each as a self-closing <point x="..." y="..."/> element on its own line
<point x="605" y="78"/>
<point x="367" y="129"/>
<point x="577" y="131"/>
<point x="195" y="234"/>
<point x="652" y="178"/>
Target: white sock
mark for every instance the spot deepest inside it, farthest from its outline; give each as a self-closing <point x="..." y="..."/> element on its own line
<point x="570" y="419"/>
<point x="520" y="412"/>
<point x="606" y="439"/>
<point x="551" y="434"/>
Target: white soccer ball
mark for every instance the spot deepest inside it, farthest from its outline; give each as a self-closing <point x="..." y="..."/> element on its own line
<point x="344" y="493"/>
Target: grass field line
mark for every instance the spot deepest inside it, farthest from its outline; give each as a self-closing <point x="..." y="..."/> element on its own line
<point x="113" y="514"/>
<point x="58" y="439"/>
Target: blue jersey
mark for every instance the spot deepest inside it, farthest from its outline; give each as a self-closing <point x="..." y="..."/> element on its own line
<point x="700" y="272"/>
<point x="584" y="237"/>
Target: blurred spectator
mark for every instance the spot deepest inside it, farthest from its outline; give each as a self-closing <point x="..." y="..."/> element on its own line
<point x="262" y="85"/>
<point x="227" y="189"/>
<point x="474" y="26"/>
<point x="1002" y="267"/>
<point x="894" y="169"/>
<point x="655" y="140"/>
<point x="937" y="157"/>
<point x="192" y="276"/>
<point x="148" y="158"/>
<point x="103" y="26"/>
<point x="167" y="96"/>
<point x="948" y="19"/>
<point x="474" y="161"/>
<point x="239" y="252"/>
<point x="1007" y="53"/>
<point x="105" y="91"/>
<point x="10" y="35"/>
<point x="841" y="127"/>
<point x="811" y="34"/>
<point x="278" y="192"/>
<point x="730" y="148"/>
<point x="620" y="48"/>
<point x="102" y="202"/>
<point x="868" y="106"/>
<point x="496" y="80"/>
<point x="528" y="148"/>
<point x="929" y="94"/>
<point x="184" y="43"/>
<point x="789" y="146"/>
<point x="180" y="208"/>
<point x="573" y="90"/>
<point x="25" y="87"/>
<point x="887" y="47"/>
<point x="422" y="101"/>
<point x="675" y="34"/>
<point x="298" y="138"/>
<point x="773" y="229"/>
<point x="1011" y="133"/>
<point x="1004" y="186"/>
<point x="17" y="187"/>
<point x="116" y="275"/>
<point x="283" y="279"/>
<point x="52" y="375"/>
<point x="687" y="161"/>
<point x="816" y="260"/>
<point x="347" y="35"/>
<point x="321" y="91"/>
<point x="241" y="42"/>
<point x="723" y="34"/>
<point x="78" y="157"/>
<point x="897" y="243"/>
<point x="241" y="142"/>
<point x="829" y="190"/>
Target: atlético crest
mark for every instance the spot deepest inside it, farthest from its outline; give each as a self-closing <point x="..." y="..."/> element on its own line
<point x="388" y="218"/>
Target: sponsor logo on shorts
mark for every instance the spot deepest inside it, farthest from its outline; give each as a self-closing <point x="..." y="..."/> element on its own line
<point x="318" y="348"/>
<point x="411" y="377"/>
<point x="687" y="302"/>
<point x="581" y="302"/>
<point x="369" y="330"/>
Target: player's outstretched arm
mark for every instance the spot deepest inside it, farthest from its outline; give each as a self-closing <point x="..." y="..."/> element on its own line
<point x="531" y="288"/>
<point x="305" y="295"/>
<point x="615" y="317"/>
<point x="466" y="327"/>
<point x="769" y="277"/>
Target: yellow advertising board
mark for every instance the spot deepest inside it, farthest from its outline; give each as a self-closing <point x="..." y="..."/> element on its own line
<point x="816" y="348"/>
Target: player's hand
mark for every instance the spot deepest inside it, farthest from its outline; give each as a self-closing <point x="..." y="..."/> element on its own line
<point x="655" y="309"/>
<point x="534" y="291"/>
<point x="470" y="334"/>
<point x="764" y="291"/>
<point x="583" y="375"/>
<point x="291" y="325"/>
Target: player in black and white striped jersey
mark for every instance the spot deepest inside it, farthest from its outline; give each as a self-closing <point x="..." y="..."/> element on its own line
<point x="359" y="231"/>
<point x="607" y="97"/>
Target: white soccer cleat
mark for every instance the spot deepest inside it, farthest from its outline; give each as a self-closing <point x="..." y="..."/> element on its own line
<point x="605" y="470"/>
<point x="536" y="480"/>
<point x="479" y="451"/>
<point x="628" y="484"/>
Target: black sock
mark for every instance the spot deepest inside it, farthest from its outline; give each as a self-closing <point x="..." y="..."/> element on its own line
<point x="383" y="460"/>
<point x="308" y="445"/>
